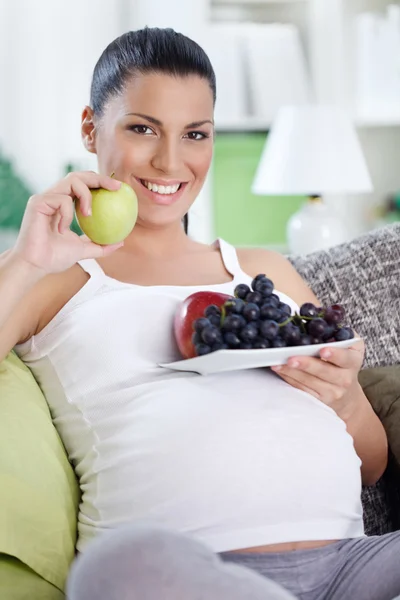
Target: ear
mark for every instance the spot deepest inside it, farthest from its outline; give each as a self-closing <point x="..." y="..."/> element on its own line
<point x="88" y="130"/>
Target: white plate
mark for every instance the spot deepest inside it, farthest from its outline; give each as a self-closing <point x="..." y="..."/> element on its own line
<point x="233" y="360"/>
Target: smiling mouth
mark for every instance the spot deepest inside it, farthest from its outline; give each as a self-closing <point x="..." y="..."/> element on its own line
<point x="163" y="190"/>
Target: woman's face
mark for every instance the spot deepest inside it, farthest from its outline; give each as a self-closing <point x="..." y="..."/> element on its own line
<point x="157" y="137"/>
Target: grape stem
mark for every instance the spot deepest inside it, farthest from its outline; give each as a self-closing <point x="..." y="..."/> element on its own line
<point x="289" y="320"/>
<point x="223" y="315"/>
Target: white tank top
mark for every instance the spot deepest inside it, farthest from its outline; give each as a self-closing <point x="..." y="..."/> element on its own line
<point x="236" y="459"/>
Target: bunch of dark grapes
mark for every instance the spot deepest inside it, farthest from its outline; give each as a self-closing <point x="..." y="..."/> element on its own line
<point x="255" y="318"/>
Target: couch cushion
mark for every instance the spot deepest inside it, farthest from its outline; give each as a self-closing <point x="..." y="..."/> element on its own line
<point x="19" y="582"/>
<point x="39" y="493"/>
<point x="382" y="388"/>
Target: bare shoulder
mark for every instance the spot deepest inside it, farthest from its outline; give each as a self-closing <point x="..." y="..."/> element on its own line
<point x="279" y="269"/>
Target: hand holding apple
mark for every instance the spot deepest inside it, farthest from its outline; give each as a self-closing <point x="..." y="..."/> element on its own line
<point x="113" y="217"/>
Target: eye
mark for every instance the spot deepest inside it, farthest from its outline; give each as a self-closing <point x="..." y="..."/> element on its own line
<point x="141" y="129"/>
<point x="196" y="135"/>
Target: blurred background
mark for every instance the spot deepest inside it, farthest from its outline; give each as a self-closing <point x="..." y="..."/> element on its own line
<point x="273" y="59"/>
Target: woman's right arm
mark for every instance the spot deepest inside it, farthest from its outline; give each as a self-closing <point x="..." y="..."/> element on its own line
<point x="45" y="246"/>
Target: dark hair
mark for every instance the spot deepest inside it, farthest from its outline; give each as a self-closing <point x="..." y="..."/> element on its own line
<point x="149" y="50"/>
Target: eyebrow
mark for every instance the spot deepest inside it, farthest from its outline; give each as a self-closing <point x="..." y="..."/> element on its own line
<point x="159" y="123"/>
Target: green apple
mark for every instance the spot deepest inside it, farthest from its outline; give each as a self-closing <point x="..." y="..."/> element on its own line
<point x="113" y="217"/>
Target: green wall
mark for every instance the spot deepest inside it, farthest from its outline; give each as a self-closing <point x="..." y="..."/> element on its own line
<point x="241" y="217"/>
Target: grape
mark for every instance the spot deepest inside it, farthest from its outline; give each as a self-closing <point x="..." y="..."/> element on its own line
<point x="196" y="339"/>
<point x="261" y="344"/>
<point x="334" y="315"/>
<point x="305" y="340"/>
<point x="283" y="319"/>
<point x="291" y="335"/>
<point x="256" y="279"/>
<point x="215" y="320"/>
<point x="285" y="309"/>
<point x="278" y="343"/>
<point x="345" y="333"/>
<point x="254" y="298"/>
<point x="269" y="312"/>
<point x="212" y="310"/>
<point x="269" y="329"/>
<point x="309" y="310"/>
<point x="242" y="290"/>
<point x="251" y="312"/>
<point x="233" y="323"/>
<point x="234" y="306"/>
<point x="219" y="346"/>
<point x="232" y="340"/>
<point x="211" y="335"/>
<point x="317" y="327"/>
<point x="201" y="324"/>
<point x="248" y="333"/>
<point x="202" y="349"/>
<point x="245" y="346"/>
<point x="329" y="331"/>
<point x="263" y="285"/>
<point x="265" y="289"/>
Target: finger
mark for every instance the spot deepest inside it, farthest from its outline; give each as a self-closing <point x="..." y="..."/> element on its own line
<point x="83" y="195"/>
<point x="91" y="179"/>
<point x="346" y="358"/>
<point x="313" y="385"/>
<point x="92" y="250"/>
<point x="66" y="212"/>
<point x="317" y="368"/>
<point x="58" y="206"/>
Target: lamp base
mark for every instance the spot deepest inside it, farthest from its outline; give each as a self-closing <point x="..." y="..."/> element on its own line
<point x="314" y="228"/>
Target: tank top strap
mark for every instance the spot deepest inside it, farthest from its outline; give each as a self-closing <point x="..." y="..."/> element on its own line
<point x="229" y="258"/>
<point x="92" y="267"/>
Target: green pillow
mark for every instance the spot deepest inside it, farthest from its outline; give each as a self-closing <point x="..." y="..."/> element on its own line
<point x="381" y="385"/>
<point x="39" y="493"/>
<point x="19" y="582"/>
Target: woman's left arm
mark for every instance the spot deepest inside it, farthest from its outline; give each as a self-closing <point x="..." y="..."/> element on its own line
<point x="332" y="380"/>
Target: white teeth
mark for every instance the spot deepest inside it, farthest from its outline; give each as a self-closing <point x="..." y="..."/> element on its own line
<point x="161" y="189"/>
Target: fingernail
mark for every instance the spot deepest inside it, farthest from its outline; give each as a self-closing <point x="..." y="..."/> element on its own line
<point x="277" y="369"/>
<point x="326" y="354"/>
<point x="295" y="364"/>
<point x="89" y="212"/>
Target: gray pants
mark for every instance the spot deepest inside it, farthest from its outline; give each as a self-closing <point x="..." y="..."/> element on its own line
<point x="144" y="563"/>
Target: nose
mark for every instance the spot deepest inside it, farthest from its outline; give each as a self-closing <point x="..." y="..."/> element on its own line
<point x="167" y="157"/>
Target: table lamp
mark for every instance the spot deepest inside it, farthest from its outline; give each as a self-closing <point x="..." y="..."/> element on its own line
<point x="312" y="150"/>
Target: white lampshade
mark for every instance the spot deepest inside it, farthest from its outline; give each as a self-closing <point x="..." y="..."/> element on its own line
<point x="312" y="150"/>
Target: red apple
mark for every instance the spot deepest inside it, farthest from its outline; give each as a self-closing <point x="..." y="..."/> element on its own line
<point x="188" y="311"/>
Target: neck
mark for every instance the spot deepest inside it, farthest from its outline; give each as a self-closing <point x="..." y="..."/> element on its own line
<point x="163" y="242"/>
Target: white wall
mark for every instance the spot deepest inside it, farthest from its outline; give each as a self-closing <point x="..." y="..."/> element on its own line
<point x="51" y="48"/>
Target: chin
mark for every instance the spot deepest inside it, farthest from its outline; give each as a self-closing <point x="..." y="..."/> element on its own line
<point x="156" y="217"/>
<point x="158" y="222"/>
